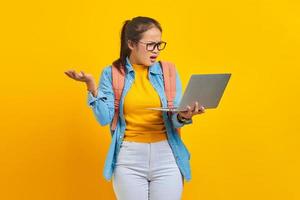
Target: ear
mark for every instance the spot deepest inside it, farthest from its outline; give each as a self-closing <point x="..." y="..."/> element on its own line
<point x="130" y="44"/>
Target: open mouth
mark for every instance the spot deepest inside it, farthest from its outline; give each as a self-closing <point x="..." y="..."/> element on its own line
<point x="153" y="57"/>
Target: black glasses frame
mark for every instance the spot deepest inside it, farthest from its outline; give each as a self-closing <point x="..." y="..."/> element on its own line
<point x="157" y="44"/>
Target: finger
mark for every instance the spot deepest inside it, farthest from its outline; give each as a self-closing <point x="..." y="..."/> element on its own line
<point x="189" y="111"/>
<point x="82" y="74"/>
<point x="202" y="109"/>
<point x="67" y="73"/>
<point x="72" y="72"/>
<point x="196" y="107"/>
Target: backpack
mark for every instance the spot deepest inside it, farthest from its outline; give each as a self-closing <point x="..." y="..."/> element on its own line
<point x="118" y="80"/>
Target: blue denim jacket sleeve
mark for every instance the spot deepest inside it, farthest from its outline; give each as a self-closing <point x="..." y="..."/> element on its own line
<point x="103" y="104"/>
<point x="177" y="99"/>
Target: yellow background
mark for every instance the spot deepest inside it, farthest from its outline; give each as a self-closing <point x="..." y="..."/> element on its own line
<point x="51" y="145"/>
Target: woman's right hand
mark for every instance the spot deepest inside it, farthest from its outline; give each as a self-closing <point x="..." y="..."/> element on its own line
<point x="83" y="77"/>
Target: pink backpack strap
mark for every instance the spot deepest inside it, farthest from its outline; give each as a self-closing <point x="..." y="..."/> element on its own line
<point x="169" y="74"/>
<point x="118" y="80"/>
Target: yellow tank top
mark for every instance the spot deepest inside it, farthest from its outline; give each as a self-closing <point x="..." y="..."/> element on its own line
<point x="143" y="125"/>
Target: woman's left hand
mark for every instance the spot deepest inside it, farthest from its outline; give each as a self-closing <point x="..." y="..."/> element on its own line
<point x="189" y="113"/>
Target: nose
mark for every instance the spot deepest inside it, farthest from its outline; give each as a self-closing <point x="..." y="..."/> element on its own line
<point x="155" y="50"/>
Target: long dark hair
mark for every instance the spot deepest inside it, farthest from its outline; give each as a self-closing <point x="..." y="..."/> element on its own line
<point x="133" y="30"/>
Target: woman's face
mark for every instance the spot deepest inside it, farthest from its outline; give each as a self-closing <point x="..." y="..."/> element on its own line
<point x="139" y="54"/>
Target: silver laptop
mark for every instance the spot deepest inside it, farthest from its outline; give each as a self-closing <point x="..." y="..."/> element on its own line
<point x="207" y="89"/>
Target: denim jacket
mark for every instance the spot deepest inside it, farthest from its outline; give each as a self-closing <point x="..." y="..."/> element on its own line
<point x="103" y="109"/>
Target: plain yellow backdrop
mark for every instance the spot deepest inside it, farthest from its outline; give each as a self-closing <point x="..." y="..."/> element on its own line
<point x="52" y="147"/>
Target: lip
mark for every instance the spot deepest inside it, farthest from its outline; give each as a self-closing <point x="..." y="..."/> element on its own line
<point x="153" y="57"/>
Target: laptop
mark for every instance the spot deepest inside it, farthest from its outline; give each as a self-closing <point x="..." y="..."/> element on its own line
<point x="207" y="89"/>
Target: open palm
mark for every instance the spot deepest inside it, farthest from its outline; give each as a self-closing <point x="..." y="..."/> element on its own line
<point x="79" y="76"/>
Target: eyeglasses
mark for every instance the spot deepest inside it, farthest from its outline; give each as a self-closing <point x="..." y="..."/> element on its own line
<point x="150" y="46"/>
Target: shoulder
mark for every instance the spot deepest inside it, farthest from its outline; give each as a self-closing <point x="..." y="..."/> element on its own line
<point x="107" y="69"/>
<point x="168" y="64"/>
<point x="106" y="73"/>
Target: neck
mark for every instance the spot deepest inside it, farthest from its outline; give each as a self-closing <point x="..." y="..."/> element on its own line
<point x="133" y="60"/>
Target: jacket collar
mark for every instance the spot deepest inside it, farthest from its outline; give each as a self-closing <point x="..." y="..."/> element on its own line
<point x="154" y="68"/>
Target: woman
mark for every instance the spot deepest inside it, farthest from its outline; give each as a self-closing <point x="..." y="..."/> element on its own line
<point x="147" y="158"/>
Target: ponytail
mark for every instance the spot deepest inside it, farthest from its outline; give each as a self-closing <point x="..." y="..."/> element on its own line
<point x="124" y="50"/>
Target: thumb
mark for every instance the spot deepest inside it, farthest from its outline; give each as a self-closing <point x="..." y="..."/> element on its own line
<point x="82" y="73"/>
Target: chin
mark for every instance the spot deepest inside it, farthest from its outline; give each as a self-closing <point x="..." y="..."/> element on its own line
<point x="151" y="62"/>
<point x="147" y="63"/>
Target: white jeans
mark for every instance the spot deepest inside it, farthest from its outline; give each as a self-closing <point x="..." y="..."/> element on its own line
<point x="147" y="171"/>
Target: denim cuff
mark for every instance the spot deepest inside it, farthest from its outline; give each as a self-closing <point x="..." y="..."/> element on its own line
<point x="91" y="99"/>
<point x="178" y="124"/>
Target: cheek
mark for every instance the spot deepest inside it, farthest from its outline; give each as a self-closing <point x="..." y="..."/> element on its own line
<point x="143" y="54"/>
